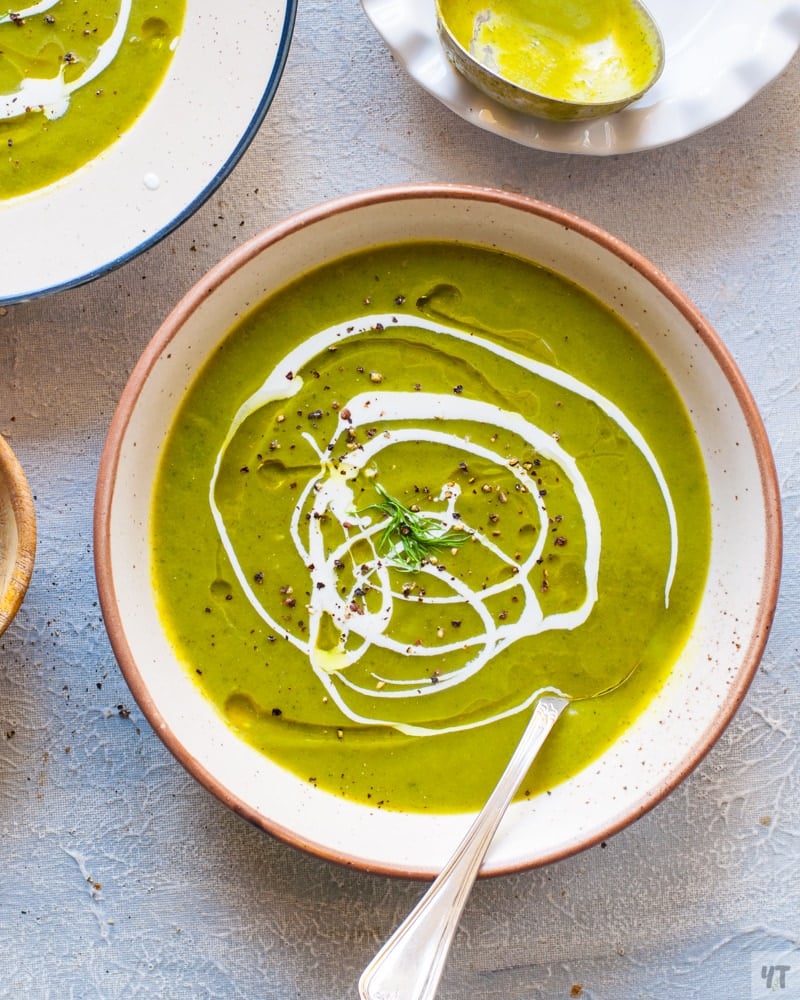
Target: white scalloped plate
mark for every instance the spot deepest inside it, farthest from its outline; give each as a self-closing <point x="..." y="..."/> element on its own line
<point x="218" y="88"/>
<point x="719" y="55"/>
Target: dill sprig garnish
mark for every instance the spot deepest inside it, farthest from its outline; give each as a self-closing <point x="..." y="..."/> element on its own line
<point x="410" y="538"/>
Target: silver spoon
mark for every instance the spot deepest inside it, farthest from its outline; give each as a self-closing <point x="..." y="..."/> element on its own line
<point x="410" y="964"/>
<point x="478" y="63"/>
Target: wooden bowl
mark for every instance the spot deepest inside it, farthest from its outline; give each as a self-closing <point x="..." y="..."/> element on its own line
<point x="17" y="534"/>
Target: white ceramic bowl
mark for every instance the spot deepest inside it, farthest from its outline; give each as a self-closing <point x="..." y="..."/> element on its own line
<point x="716" y="666"/>
<point x="17" y="534"/>
<point x="218" y="88"/>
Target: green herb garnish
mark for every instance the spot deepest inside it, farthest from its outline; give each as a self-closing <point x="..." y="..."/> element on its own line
<point x="409" y="538"/>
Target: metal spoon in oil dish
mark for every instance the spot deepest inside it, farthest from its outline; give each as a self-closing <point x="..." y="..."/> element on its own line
<point x="410" y="964"/>
<point x="551" y="59"/>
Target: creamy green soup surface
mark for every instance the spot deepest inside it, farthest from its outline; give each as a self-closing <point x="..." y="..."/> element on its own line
<point x="74" y="75"/>
<point x="408" y="493"/>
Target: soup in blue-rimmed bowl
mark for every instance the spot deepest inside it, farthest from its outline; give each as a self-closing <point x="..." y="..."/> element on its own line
<point x="117" y="121"/>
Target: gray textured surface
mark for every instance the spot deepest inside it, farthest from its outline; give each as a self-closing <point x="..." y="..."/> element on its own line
<point x="120" y="876"/>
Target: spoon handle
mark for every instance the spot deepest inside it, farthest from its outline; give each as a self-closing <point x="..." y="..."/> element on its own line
<point x="410" y="964"/>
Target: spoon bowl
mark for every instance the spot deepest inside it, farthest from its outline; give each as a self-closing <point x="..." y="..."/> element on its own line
<point x="551" y="60"/>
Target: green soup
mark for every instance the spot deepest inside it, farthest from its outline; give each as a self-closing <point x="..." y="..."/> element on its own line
<point x="74" y="75"/>
<point x="407" y="494"/>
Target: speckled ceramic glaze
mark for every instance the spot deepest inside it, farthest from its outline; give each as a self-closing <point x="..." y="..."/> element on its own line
<point x="17" y="534"/>
<point x="715" y="668"/>
<point x="217" y="90"/>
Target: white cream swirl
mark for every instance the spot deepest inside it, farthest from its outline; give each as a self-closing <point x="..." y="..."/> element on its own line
<point x="51" y="95"/>
<point x="399" y="417"/>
